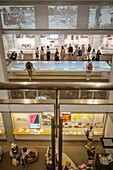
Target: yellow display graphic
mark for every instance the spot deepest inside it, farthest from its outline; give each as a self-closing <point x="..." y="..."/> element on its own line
<point x="81" y="118"/>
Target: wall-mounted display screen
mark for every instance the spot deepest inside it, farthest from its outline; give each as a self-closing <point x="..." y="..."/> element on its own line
<point x="54" y="36"/>
<point x="100" y="17"/>
<point x="18" y="17"/>
<point x="62" y="17"/>
<point x="34" y="120"/>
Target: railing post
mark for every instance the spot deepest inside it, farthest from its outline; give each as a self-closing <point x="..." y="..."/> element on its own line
<point x="60" y="144"/>
<point x="56" y="110"/>
<point x="53" y="142"/>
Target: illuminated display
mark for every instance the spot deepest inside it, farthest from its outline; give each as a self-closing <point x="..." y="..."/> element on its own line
<point x="54" y="36"/>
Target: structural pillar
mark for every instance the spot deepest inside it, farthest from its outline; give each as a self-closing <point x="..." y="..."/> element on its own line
<point x="4" y="93"/>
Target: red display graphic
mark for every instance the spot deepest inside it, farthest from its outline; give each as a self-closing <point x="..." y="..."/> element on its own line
<point x="34" y="120"/>
<point x="66" y="118"/>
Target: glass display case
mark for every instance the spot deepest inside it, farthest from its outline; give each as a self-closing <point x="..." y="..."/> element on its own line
<point x="77" y="124"/>
<point x="2" y="130"/>
<point x="32" y="123"/>
<point x="61" y="65"/>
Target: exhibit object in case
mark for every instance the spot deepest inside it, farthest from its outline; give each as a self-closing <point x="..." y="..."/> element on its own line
<point x="34" y="120"/>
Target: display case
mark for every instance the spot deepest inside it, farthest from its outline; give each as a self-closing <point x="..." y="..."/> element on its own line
<point x="2" y="129"/>
<point x="75" y="125"/>
<point x="32" y="125"/>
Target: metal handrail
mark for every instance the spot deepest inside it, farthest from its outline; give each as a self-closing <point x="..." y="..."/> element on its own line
<point x="55" y="86"/>
<point x="61" y="101"/>
<point x="27" y="101"/>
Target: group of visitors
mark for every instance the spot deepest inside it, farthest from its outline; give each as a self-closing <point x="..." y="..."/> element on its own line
<point x="79" y="54"/>
<point x="25" y="154"/>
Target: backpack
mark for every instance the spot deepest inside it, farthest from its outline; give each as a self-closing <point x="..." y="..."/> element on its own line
<point x="28" y="64"/>
<point x="88" y="152"/>
<point x="90" y="66"/>
<point x="87" y="133"/>
<point x="80" y="53"/>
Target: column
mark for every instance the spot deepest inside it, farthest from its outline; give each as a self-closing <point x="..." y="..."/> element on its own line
<point x="111" y="80"/>
<point x="4" y="93"/>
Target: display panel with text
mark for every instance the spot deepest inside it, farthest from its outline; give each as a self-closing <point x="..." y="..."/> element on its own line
<point x="34" y="120"/>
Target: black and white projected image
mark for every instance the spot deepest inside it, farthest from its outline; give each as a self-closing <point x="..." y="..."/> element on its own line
<point x="92" y="17"/>
<point x="100" y="17"/>
<point x="106" y="18"/>
<point x="18" y="17"/>
<point x="62" y="17"/>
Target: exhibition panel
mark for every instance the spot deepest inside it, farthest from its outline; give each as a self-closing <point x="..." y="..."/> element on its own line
<point x="32" y="124"/>
<point x="28" y="43"/>
<point x="2" y="129"/>
<point x="75" y="125"/>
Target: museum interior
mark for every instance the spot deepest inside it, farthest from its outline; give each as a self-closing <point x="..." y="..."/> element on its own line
<point x="56" y="84"/>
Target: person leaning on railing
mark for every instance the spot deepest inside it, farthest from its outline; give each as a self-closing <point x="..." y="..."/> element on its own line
<point x="29" y="68"/>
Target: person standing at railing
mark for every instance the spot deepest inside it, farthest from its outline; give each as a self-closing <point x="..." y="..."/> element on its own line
<point x="98" y="55"/>
<point x="13" y="56"/>
<point x="88" y="51"/>
<point x="56" y="55"/>
<point x="93" y="55"/>
<point x="37" y="53"/>
<point x="42" y="54"/>
<point x="70" y="52"/>
<point x="62" y="53"/>
<point x="48" y="53"/>
<point x="29" y="68"/>
<point x="89" y="67"/>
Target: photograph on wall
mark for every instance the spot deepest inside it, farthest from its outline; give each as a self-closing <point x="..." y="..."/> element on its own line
<point x="66" y="117"/>
<point x="19" y="36"/>
<point x="30" y="36"/>
<point x="34" y="120"/>
<point x="62" y="17"/>
<point x="26" y="45"/>
<point x="46" y="119"/>
<point x="81" y="118"/>
<point x="18" y="17"/>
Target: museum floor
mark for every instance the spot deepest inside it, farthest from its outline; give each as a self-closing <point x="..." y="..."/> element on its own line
<point x="75" y="150"/>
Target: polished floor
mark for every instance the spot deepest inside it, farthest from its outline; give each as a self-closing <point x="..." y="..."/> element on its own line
<point x="75" y="150"/>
